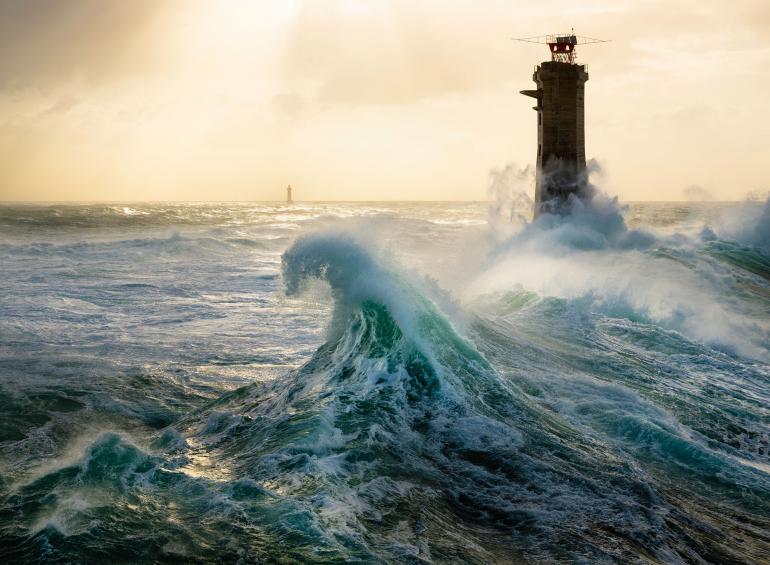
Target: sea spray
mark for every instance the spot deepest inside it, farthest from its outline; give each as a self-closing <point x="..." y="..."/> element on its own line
<point x="636" y="272"/>
<point x="747" y="224"/>
<point x="510" y="206"/>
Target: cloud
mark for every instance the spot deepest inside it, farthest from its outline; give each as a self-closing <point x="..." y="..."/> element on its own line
<point x="44" y="42"/>
<point x="395" y="54"/>
<point x="755" y="14"/>
<point x="384" y="94"/>
<point x="288" y="103"/>
<point x="62" y="105"/>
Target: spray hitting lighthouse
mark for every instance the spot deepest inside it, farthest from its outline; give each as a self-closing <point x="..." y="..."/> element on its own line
<point x="560" y="94"/>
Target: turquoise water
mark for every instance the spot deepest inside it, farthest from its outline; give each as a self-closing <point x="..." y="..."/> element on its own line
<point x="384" y="383"/>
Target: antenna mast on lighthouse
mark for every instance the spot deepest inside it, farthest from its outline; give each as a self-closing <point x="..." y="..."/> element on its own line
<point x="563" y="46"/>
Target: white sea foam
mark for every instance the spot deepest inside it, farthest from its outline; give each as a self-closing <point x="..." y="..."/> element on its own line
<point x="591" y="254"/>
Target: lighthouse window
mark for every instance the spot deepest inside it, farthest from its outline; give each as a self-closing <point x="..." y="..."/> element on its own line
<point x="539" y="118"/>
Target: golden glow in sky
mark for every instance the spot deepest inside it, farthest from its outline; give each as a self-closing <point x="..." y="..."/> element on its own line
<point x="369" y="100"/>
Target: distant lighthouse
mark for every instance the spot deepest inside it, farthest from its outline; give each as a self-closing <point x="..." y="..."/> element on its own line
<point x="561" y="156"/>
<point x="288" y="195"/>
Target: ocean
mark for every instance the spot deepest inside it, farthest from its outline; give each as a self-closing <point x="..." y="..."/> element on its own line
<point x="384" y="383"/>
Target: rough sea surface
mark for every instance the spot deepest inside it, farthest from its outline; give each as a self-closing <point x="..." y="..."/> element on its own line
<point x="384" y="383"/>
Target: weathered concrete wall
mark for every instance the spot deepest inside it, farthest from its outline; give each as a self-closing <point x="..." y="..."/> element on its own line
<point x="561" y="158"/>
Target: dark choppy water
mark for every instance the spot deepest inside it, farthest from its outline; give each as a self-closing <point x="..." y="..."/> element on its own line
<point x="405" y="383"/>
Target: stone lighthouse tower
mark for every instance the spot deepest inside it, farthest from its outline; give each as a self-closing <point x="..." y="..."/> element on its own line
<point x="560" y="95"/>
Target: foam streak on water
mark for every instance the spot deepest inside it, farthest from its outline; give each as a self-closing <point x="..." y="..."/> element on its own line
<point x="411" y="383"/>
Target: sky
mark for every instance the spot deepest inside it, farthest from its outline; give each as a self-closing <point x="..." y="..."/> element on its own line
<point x="370" y="100"/>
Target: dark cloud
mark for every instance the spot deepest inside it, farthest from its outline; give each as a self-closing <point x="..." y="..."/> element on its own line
<point x="43" y="42"/>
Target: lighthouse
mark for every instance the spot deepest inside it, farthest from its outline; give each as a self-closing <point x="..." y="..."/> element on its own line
<point x="560" y="107"/>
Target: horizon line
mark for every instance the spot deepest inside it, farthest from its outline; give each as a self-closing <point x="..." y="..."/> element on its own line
<point x="295" y="202"/>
